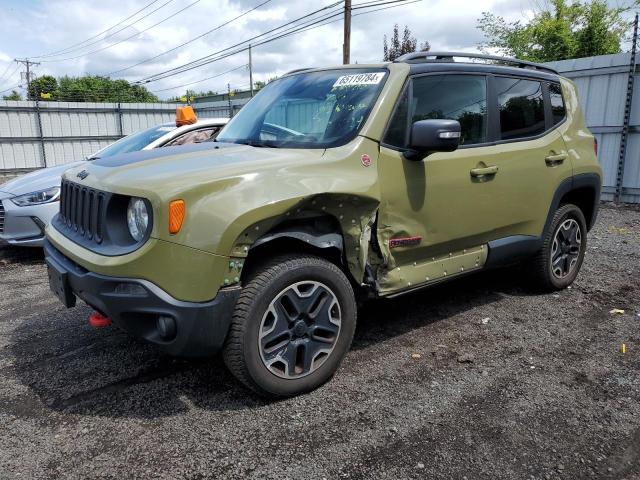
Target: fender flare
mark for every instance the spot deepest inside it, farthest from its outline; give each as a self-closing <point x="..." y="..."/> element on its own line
<point x="582" y="180"/>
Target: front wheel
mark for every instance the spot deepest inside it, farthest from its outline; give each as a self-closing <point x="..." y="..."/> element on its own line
<point x="292" y="326"/>
<point x="558" y="262"/>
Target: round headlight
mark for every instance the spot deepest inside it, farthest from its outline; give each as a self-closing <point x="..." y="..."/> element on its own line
<point x="137" y="219"/>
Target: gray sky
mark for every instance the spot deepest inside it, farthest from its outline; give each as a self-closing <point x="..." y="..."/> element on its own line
<point x="34" y="28"/>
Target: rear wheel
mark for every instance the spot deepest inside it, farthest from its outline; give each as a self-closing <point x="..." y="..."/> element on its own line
<point x="558" y="262"/>
<point x="292" y="326"/>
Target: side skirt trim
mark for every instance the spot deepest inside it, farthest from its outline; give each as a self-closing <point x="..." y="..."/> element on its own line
<point x="509" y="250"/>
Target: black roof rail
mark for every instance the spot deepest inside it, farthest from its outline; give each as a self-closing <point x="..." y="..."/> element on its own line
<point x="419" y="57"/>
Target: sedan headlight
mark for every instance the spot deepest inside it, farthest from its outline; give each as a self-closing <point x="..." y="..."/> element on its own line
<point x="137" y="218"/>
<point x="37" y="198"/>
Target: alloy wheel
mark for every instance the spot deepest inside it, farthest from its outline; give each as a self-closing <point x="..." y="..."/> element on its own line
<point x="565" y="250"/>
<point x="299" y="330"/>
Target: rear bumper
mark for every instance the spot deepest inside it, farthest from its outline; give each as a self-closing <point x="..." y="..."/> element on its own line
<point x="136" y="306"/>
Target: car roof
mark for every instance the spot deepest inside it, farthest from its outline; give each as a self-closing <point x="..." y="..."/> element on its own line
<point x="463" y="67"/>
<point x="460" y="62"/>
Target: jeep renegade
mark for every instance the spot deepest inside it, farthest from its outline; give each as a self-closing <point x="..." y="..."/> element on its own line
<point x="330" y="185"/>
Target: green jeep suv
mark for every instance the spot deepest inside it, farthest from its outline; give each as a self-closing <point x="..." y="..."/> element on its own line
<point x="332" y="184"/>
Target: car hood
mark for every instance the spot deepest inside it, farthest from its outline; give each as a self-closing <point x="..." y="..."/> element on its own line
<point x="38" y="180"/>
<point x="171" y="170"/>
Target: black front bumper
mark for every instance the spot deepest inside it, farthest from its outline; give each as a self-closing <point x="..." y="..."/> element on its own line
<point x="137" y="305"/>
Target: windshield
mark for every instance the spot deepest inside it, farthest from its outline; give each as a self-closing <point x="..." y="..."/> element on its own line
<point x="134" y="142"/>
<point x="307" y="110"/>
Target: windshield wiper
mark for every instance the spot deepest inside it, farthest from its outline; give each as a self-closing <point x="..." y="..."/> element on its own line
<point x="253" y="143"/>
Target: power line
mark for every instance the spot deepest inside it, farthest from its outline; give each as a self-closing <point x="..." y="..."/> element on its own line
<point x="203" y="60"/>
<point x="292" y="30"/>
<point x="198" y="81"/>
<point x="108" y="36"/>
<point x="137" y="34"/>
<point x="189" y="41"/>
<point x="383" y="8"/>
<point x="11" y="88"/>
<point x="6" y="70"/>
<point x="97" y="34"/>
<point x="320" y="23"/>
<point x="358" y="14"/>
<point x="5" y="78"/>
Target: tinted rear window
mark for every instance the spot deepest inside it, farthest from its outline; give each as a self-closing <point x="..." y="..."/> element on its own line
<point x="557" y="103"/>
<point x="521" y="107"/>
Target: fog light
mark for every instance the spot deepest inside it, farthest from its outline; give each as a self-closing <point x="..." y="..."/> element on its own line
<point x="166" y="328"/>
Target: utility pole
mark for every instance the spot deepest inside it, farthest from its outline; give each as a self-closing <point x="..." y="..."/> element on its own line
<point x="250" y="72"/>
<point x="346" y="46"/>
<point x="27" y="63"/>
<point x="230" y="104"/>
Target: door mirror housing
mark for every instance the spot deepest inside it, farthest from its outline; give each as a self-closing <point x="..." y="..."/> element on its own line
<point x="428" y="136"/>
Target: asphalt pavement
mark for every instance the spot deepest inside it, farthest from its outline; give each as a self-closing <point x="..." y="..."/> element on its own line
<point x="478" y="378"/>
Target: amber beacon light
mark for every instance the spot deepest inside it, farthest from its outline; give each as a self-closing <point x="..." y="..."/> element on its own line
<point x="177" y="210"/>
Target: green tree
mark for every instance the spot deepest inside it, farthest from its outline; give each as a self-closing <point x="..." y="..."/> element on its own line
<point x="191" y="94"/>
<point x="45" y="84"/>
<point x="101" y="89"/>
<point x="14" y="95"/>
<point x="397" y="47"/>
<point x="561" y="31"/>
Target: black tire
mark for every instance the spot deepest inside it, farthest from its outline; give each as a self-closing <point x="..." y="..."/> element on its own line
<point x="260" y="306"/>
<point x="544" y="275"/>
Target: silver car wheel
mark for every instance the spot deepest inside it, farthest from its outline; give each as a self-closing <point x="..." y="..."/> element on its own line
<point x="299" y="330"/>
<point x="566" y="248"/>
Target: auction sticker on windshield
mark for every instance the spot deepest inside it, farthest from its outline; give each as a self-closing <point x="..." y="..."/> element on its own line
<point x="359" y="79"/>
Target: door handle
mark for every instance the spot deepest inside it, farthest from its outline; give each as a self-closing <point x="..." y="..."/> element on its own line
<point x="482" y="171"/>
<point x="553" y="160"/>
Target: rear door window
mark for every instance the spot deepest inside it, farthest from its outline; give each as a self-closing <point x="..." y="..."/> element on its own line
<point x="557" y="103"/>
<point x="521" y="106"/>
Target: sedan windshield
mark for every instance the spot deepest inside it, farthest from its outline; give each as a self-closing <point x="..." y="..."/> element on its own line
<point x="135" y="141"/>
<point x="307" y="110"/>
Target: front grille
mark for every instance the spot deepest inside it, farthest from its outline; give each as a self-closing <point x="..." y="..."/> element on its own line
<point x="82" y="211"/>
<point x="1" y="217"/>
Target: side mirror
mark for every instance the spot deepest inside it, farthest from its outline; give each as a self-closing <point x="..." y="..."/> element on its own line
<point x="428" y="136"/>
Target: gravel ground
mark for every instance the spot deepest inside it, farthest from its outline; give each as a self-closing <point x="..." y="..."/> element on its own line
<point x="480" y="378"/>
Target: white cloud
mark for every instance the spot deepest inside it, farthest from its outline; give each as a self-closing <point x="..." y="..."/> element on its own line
<point x="446" y="24"/>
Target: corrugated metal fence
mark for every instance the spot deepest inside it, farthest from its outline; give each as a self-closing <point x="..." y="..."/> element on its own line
<point x="602" y="83"/>
<point x="54" y="133"/>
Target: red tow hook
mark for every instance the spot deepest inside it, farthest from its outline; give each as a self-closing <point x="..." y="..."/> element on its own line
<point x="97" y="320"/>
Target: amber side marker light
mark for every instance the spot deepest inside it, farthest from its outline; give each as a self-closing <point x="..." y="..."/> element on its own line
<point x="177" y="211"/>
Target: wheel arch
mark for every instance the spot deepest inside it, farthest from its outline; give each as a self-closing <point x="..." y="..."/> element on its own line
<point x="320" y="236"/>
<point x="582" y="190"/>
<point x="336" y="227"/>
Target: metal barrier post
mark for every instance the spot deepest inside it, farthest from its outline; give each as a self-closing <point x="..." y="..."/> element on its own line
<point x="40" y="134"/>
<point x="627" y="116"/>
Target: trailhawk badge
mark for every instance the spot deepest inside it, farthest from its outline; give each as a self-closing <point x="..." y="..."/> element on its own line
<point x="366" y="160"/>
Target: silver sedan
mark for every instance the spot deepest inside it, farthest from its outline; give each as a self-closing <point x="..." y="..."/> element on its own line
<point x="28" y="203"/>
